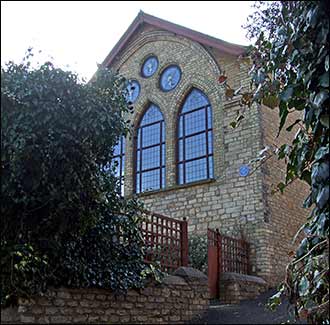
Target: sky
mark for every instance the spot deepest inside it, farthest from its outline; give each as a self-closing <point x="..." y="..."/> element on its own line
<point x="77" y="35"/>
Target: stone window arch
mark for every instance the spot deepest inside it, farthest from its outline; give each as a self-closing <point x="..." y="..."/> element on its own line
<point x="150" y="151"/>
<point x="195" y="139"/>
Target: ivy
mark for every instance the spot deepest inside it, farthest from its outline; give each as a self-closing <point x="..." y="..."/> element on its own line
<point x="291" y="70"/>
<point x="63" y="222"/>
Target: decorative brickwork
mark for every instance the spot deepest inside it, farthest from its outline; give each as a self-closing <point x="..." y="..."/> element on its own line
<point x="228" y="201"/>
<point x="178" y="299"/>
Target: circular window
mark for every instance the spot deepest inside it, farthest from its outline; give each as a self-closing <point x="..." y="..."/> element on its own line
<point x="149" y="66"/>
<point x="170" y="78"/>
<point x="133" y="91"/>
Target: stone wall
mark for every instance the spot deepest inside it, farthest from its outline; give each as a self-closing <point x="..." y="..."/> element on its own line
<point x="228" y="202"/>
<point x="179" y="298"/>
<point x="284" y="212"/>
<point x="232" y="203"/>
<point x="236" y="287"/>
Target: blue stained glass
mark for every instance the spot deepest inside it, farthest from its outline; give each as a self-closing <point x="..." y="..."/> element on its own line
<point x="150" y="180"/>
<point x="170" y="78"/>
<point x="195" y="99"/>
<point x="211" y="167"/>
<point x="196" y="170"/>
<point x="150" y="135"/>
<point x="195" y="146"/>
<point x="210" y="142"/>
<point x="209" y="117"/>
<point x="149" y="66"/>
<point x="181" y="174"/>
<point x="195" y="139"/>
<point x="194" y="122"/>
<point x="150" y="151"/>
<point x="180" y="126"/>
<point x="118" y="161"/>
<point x="133" y="91"/>
<point x="153" y="114"/>
<point x="180" y="150"/>
<point x="150" y="158"/>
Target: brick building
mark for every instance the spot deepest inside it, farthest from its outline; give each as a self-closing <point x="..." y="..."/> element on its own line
<point x="184" y="160"/>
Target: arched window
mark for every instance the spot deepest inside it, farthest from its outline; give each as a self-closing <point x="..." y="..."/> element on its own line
<point x="150" y="151"/>
<point x="119" y="161"/>
<point x="195" y="139"/>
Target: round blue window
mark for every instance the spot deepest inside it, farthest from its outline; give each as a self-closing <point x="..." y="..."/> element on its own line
<point x="133" y="91"/>
<point x="244" y="170"/>
<point x="149" y="66"/>
<point x="170" y="78"/>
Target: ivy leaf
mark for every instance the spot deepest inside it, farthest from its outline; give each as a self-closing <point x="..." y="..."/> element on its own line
<point x="303" y="286"/>
<point x="286" y="94"/>
<point x="324" y="119"/>
<point x="324" y="80"/>
<point x="320" y="98"/>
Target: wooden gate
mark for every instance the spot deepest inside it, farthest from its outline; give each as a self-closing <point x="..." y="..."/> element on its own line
<point x="225" y="254"/>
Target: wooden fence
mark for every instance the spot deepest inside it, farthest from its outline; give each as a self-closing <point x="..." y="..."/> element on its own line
<point x="166" y="241"/>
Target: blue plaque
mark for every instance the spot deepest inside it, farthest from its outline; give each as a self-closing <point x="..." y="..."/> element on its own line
<point x="244" y="170"/>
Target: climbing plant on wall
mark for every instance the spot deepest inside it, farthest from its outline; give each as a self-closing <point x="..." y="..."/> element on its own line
<point x="291" y="71"/>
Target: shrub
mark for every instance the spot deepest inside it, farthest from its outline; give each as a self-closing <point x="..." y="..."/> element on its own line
<point x="63" y="222"/>
<point x="198" y="252"/>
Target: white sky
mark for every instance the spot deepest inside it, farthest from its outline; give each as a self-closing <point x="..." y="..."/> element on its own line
<point x="80" y="34"/>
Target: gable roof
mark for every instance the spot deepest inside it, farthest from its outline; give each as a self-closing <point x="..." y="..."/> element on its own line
<point x="204" y="39"/>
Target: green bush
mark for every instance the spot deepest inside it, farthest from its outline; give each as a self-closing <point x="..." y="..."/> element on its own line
<point x="198" y="252"/>
<point x="63" y="222"/>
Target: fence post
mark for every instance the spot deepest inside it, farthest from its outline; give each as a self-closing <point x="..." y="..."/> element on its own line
<point x="219" y="249"/>
<point x="184" y="242"/>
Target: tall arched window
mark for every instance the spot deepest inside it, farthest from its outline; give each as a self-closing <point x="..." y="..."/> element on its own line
<point x="150" y="151"/>
<point x="195" y="139"/>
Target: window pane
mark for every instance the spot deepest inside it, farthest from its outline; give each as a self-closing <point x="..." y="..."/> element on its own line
<point x="180" y="150"/>
<point x="196" y="170"/>
<point x="163" y="177"/>
<point x="150" y="180"/>
<point x="211" y="167"/>
<point x="209" y="117"/>
<point x="150" y="135"/>
<point x="180" y="171"/>
<point x="180" y="126"/>
<point x="153" y="114"/>
<point x="150" y="152"/>
<point x="195" y="100"/>
<point x="195" y="122"/>
<point x="210" y="140"/>
<point x="196" y="146"/>
<point x="150" y="157"/>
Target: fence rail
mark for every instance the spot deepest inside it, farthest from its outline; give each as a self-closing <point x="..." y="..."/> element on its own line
<point x="233" y="254"/>
<point x="166" y="241"/>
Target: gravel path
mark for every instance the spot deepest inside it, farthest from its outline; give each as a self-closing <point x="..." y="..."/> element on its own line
<point x="247" y="312"/>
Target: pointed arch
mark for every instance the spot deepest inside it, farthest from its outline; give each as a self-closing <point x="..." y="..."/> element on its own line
<point x="195" y="139"/>
<point x="150" y="151"/>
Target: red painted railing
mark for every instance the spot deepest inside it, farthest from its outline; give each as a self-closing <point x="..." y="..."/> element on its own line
<point x="233" y="253"/>
<point x="166" y="241"/>
<point x="225" y="254"/>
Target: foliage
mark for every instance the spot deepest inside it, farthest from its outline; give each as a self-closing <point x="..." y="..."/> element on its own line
<point x="198" y="252"/>
<point x="62" y="219"/>
<point x="291" y="70"/>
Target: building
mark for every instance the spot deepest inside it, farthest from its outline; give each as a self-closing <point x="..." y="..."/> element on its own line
<point x="184" y="159"/>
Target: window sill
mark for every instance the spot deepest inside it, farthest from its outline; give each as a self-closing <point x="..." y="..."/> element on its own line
<point x="176" y="187"/>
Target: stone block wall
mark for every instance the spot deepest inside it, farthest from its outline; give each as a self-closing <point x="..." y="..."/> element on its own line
<point x="236" y="287"/>
<point x="178" y="299"/>
<point x="232" y="203"/>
